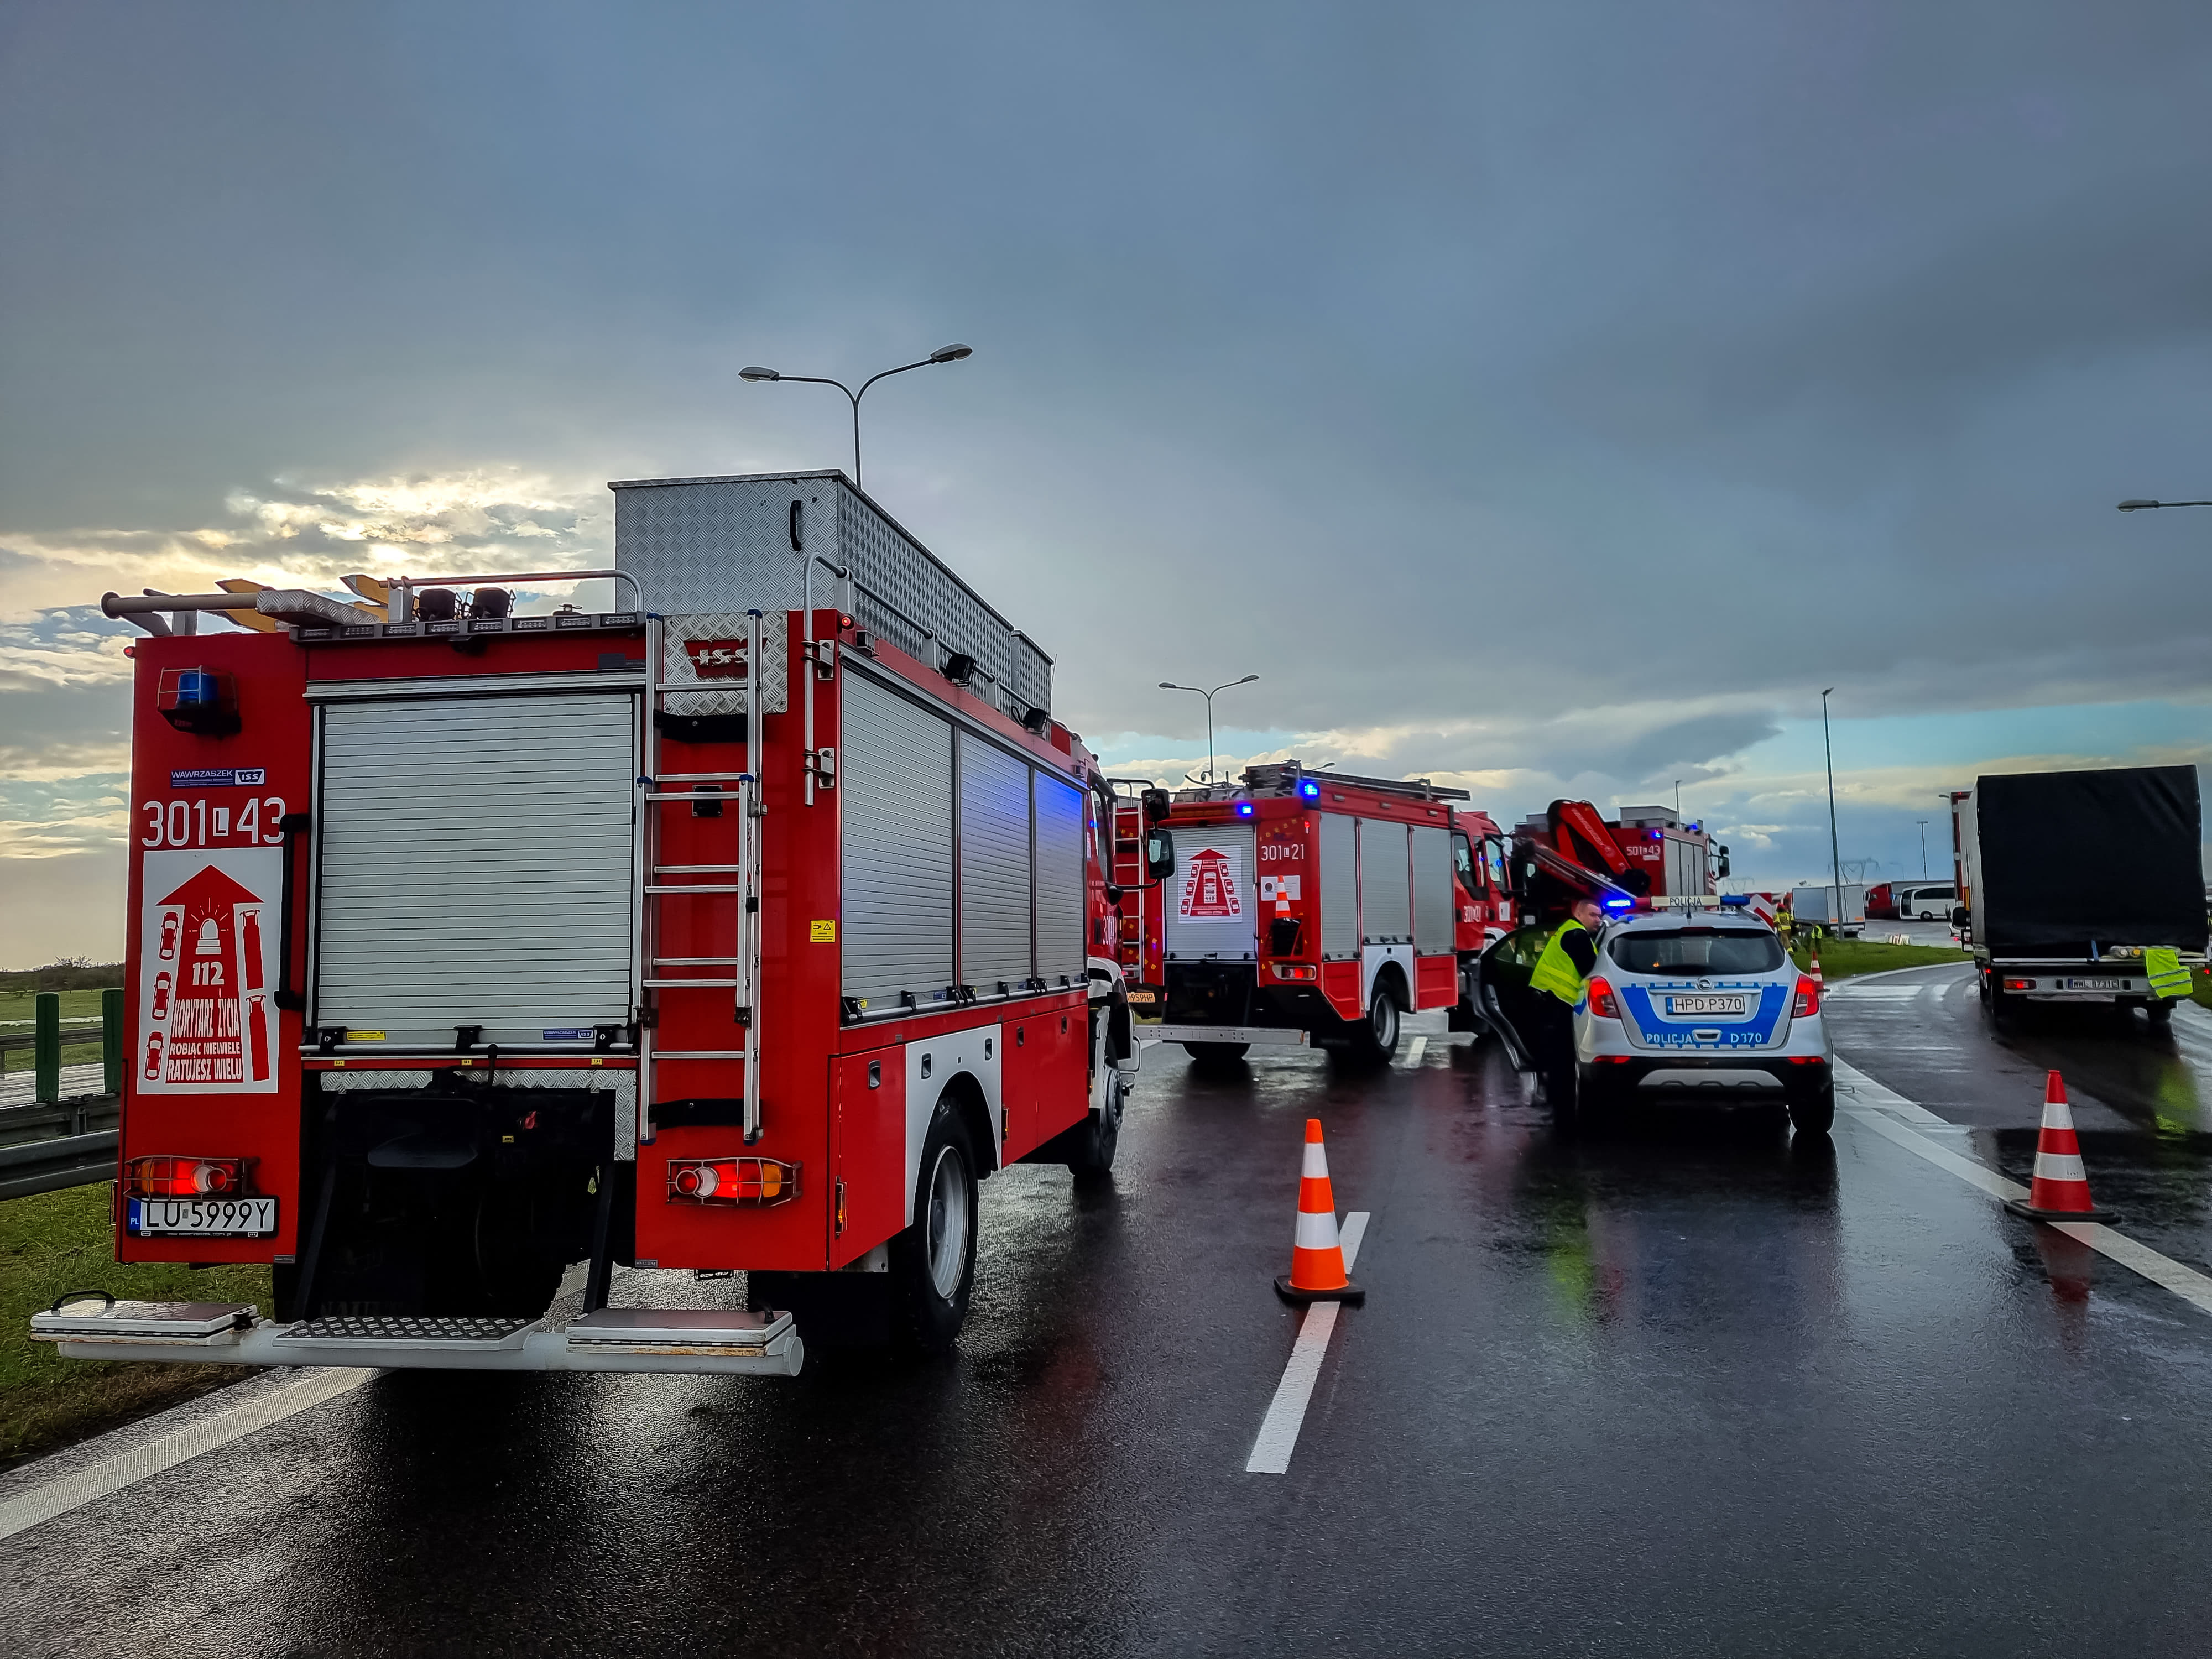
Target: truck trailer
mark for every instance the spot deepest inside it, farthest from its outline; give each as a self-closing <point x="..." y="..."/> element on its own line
<point x="2040" y="936"/>
<point x="743" y="926"/>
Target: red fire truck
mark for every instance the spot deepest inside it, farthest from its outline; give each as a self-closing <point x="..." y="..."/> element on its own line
<point x="1298" y="906"/>
<point x="745" y="927"/>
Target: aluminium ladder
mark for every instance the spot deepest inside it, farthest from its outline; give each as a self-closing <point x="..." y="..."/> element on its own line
<point x="742" y="882"/>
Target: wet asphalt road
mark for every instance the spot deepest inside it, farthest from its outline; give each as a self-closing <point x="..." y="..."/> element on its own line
<point x="1683" y="1388"/>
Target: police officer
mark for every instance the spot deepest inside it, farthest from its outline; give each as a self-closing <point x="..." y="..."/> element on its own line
<point x="1568" y="957"/>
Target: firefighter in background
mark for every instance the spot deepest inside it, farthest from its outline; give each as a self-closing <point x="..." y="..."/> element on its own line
<point x="1558" y="980"/>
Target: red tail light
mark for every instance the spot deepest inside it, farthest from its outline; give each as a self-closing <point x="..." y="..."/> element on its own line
<point x="1600" y="999"/>
<point x="166" y="1175"/>
<point x="1808" y="995"/>
<point x="761" y="1181"/>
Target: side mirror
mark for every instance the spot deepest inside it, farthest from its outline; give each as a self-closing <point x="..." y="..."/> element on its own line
<point x="1155" y="804"/>
<point x="1724" y="862"/>
<point x="1112" y="893"/>
<point x="1159" y="853"/>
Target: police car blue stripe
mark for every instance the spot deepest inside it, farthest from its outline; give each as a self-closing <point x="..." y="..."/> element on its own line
<point x="1661" y="1032"/>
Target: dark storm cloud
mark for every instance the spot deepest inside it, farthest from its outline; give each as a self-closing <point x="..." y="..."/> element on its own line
<point x="1464" y="368"/>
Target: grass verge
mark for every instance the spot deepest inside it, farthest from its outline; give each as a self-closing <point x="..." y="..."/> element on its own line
<point x="1840" y="959"/>
<point x="50" y="1242"/>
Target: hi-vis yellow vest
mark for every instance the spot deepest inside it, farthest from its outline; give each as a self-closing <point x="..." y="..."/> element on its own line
<point x="1555" y="970"/>
<point x="2168" y="978"/>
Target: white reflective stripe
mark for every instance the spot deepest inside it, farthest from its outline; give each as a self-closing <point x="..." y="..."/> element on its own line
<point x="2060" y="1166"/>
<point x="2057" y="1115"/>
<point x="1315" y="1168"/>
<point x="1317" y="1232"/>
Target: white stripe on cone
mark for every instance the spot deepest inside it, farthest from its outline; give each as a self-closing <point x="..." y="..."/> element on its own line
<point x="2061" y="1166"/>
<point x="1317" y="1232"/>
<point x="2057" y="1113"/>
<point x="1315" y="1168"/>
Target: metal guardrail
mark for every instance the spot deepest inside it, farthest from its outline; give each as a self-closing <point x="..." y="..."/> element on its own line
<point x="71" y="1036"/>
<point x="54" y="1143"/>
<point x="45" y="1166"/>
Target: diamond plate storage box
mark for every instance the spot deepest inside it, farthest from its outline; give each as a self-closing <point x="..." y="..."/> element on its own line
<point x="731" y="545"/>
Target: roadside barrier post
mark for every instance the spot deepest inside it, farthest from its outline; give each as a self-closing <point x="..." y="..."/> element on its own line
<point x="111" y="1038"/>
<point x="46" y="1047"/>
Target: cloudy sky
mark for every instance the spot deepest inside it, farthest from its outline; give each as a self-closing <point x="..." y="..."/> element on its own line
<point x="1548" y="398"/>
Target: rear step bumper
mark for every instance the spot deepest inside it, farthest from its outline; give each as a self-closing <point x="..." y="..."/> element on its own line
<point x="1285" y="1036"/>
<point x="710" y="1341"/>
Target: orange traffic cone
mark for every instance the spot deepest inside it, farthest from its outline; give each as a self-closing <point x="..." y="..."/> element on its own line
<point x="1317" y="1258"/>
<point x="2060" y="1191"/>
<point x="1819" y="978"/>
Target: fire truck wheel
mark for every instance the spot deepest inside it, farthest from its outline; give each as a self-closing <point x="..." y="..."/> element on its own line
<point x="933" y="1262"/>
<point x="1216" y="1053"/>
<point x="1375" y="1039"/>
<point x="1095" y="1139"/>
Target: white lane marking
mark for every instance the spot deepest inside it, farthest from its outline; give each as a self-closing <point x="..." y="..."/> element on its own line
<point x="1420" y="1046"/>
<point x="2186" y="1283"/>
<point x="128" y="1468"/>
<point x="1279" y="1429"/>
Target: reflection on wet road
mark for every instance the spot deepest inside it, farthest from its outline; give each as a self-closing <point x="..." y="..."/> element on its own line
<point x="1683" y="1387"/>
<point x="2142" y="1097"/>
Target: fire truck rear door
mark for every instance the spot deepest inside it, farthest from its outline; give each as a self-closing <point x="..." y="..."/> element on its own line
<point x="474" y="865"/>
<point x="1209" y="908"/>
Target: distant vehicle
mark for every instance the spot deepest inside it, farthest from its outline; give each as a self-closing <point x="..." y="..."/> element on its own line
<point x="2039" y="940"/>
<point x="1881" y="901"/>
<point x="1814" y="906"/>
<point x="1708" y="1009"/>
<point x="1924" y="900"/>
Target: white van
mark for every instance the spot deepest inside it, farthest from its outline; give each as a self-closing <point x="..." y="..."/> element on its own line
<point x="1925" y="901"/>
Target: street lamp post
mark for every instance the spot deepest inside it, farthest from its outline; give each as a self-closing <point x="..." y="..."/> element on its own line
<point x="2141" y="506"/>
<point x="1170" y="685"/>
<point x="951" y="354"/>
<point x="1922" y="822"/>
<point x="1835" y="845"/>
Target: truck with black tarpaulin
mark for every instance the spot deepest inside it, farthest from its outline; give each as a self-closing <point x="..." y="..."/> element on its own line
<point x="2041" y="934"/>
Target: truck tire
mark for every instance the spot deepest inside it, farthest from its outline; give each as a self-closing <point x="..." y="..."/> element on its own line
<point x="1090" y="1153"/>
<point x="932" y="1266"/>
<point x="1375" y="1039"/>
<point x="1813" y="1113"/>
<point x="2161" y="1012"/>
<point x="1216" y="1053"/>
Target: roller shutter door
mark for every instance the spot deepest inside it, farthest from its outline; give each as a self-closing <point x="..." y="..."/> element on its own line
<point x="474" y="865"/>
<point x="1386" y="911"/>
<point x="895" y="795"/>
<point x="1339" y="888"/>
<point x="1209" y="908"/>
<point x="994" y="866"/>
<point x="1062" y="899"/>
<point x="1433" y="929"/>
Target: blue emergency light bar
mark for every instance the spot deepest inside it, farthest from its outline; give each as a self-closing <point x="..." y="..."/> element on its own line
<point x="1243" y="809"/>
<point x="1310" y="791"/>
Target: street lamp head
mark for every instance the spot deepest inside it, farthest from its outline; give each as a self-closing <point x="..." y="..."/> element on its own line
<point x="758" y="374"/>
<point x="2131" y="506"/>
<point x="1170" y="685"/>
<point x="1248" y="679"/>
<point x="951" y="354"/>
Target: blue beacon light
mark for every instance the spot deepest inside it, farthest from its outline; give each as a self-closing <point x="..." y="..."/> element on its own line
<point x="1243" y="809"/>
<point x="1310" y="791"/>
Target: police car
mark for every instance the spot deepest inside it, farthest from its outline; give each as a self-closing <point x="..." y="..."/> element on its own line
<point x="1703" y="1006"/>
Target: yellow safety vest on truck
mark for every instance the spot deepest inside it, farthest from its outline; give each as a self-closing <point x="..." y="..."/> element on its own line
<point x="2168" y="978"/>
<point x="1555" y="970"/>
